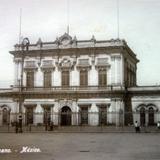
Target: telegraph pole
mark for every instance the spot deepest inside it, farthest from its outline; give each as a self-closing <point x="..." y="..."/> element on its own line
<point x="24" y="45"/>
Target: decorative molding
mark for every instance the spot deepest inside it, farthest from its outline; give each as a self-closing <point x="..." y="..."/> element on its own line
<point x="80" y="67"/>
<point x="102" y="67"/>
<point x="30" y="105"/>
<point x="47" y="105"/>
<point x="30" y="66"/>
<point x="47" y="65"/>
<point x="83" y="64"/>
<point x="103" y="105"/>
<point x="30" y="69"/>
<point x="65" y="39"/>
<point x="115" y="56"/>
<point x="84" y="105"/>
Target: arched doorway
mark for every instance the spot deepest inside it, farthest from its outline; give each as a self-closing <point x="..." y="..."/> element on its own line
<point x="142" y="116"/>
<point x="151" y="116"/>
<point x="5" y="116"/>
<point x="66" y="114"/>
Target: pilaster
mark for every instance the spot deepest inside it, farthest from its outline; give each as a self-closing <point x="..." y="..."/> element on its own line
<point x="93" y="115"/>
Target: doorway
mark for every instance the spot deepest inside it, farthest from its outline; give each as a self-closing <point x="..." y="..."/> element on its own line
<point x="66" y="114"/>
<point x="142" y="116"/>
<point x="6" y="116"/>
<point x="151" y="116"/>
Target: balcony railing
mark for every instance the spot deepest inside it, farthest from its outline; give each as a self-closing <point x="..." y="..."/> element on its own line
<point x="74" y="88"/>
<point x="3" y="90"/>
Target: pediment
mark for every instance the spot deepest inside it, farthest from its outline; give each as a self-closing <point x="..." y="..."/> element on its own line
<point x="65" y="39"/>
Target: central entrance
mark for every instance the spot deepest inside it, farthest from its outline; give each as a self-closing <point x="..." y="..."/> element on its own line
<point x="66" y="114"/>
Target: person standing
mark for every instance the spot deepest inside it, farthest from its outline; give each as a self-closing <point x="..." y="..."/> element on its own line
<point x="158" y="125"/>
<point x="16" y="127"/>
<point x="137" y="127"/>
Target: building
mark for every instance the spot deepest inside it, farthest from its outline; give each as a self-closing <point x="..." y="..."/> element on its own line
<point x="77" y="82"/>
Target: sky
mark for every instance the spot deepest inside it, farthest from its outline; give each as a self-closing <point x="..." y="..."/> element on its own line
<point x="139" y="22"/>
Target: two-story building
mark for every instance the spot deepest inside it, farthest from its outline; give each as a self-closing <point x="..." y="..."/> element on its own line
<point x="77" y="82"/>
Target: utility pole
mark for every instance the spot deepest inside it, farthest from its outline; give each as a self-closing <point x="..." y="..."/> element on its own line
<point x="24" y="45"/>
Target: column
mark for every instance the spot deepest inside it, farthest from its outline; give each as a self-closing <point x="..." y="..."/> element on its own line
<point x="74" y="77"/>
<point x="93" y="115"/>
<point x="1" y="117"/>
<point x="93" y="76"/>
<point x="52" y="78"/>
<point x="75" y="113"/>
<point x="113" y="111"/>
<point x="19" y="69"/>
<point x="56" y="113"/>
<point x="118" y="70"/>
<point x="38" y="114"/>
<point x="16" y="73"/>
<point x="57" y="77"/>
<point x="39" y="78"/>
<point x="112" y="70"/>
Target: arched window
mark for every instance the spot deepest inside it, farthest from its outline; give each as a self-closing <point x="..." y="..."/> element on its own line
<point x="142" y="116"/>
<point x="151" y="116"/>
<point x="29" y="115"/>
<point x="5" y="116"/>
<point x="66" y="114"/>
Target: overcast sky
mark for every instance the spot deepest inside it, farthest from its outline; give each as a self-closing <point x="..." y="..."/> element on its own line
<point x="139" y="26"/>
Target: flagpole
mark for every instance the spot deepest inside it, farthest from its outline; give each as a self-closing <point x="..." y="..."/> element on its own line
<point x="20" y="25"/>
<point x="68" y="9"/>
<point x="118" y="19"/>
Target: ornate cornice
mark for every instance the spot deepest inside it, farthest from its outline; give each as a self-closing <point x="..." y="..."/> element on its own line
<point x="45" y="106"/>
<point x="30" y="105"/>
<point x="47" y="68"/>
<point x="102" y="67"/>
<point x="85" y="105"/>
<point x="30" y="69"/>
<point x="84" y="67"/>
<point x="102" y="105"/>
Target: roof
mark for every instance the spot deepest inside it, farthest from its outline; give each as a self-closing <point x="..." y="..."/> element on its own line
<point x="67" y="42"/>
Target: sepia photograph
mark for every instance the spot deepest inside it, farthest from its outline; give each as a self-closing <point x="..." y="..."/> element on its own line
<point x="79" y="80"/>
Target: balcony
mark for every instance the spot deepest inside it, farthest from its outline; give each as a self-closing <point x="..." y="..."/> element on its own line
<point x="73" y="88"/>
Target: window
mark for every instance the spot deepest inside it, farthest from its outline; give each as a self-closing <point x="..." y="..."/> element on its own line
<point x="102" y="115"/>
<point x="6" y="116"/>
<point x="47" y="115"/>
<point x="30" y="79"/>
<point x="151" y="116"/>
<point x="65" y="78"/>
<point x="102" y="77"/>
<point x="83" y="78"/>
<point x="29" y="115"/>
<point x="84" y="115"/>
<point x="47" y="79"/>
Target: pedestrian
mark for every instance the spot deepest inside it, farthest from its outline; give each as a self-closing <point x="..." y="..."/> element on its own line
<point x="158" y="125"/>
<point x="51" y="126"/>
<point x="16" y="127"/>
<point x="137" y="127"/>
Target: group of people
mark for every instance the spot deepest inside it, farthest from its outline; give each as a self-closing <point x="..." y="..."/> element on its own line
<point x="138" y="128"/>
<point x="48" y="127"/>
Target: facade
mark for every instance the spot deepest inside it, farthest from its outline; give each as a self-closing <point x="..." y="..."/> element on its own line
<point x="77" y="82"/>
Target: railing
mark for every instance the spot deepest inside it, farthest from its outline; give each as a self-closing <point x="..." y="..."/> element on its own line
<point x="75" y="88"/>
<point x="2" y="90"/>
<point x="79" y="44"/>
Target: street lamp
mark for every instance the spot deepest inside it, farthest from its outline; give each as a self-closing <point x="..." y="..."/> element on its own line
<point x="24" y="45"/>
